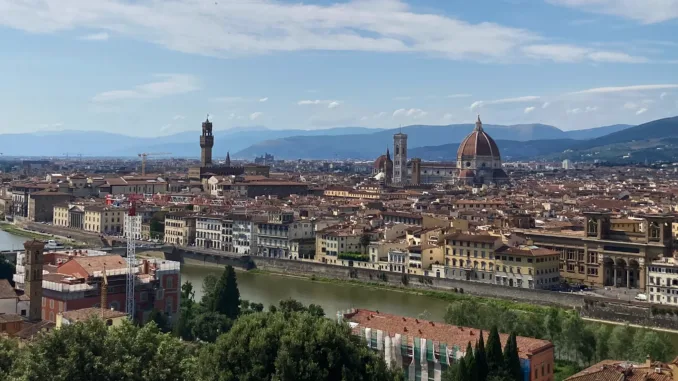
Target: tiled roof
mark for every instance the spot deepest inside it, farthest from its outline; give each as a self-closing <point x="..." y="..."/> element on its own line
<point x="613" y="370"/>
<point x="87" y="313"/>
<point x="10" y="318"/>
<point x="444" y="333"/>
<point x="6" y="290"/>
<point x="485" y="238"/>
<point x="32" y="329"/>
<point x="527" y="251"/>
<point x="96" y="263"/>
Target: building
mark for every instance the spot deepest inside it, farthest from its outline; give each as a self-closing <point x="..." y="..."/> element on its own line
<point x="207" y="169"/>
<point x="180" y="228"/>
<point x="478" y="159"/>
<point x="567" y="164"/>
<point x="133" y="185"/>
<point x="602" y="257"/>
<point x="382" y="168"/>
<point x="208" y="232"/>
<point x="10" y="302"/>
<point x="72" y="281"/>
<point x="112" y="317"/>
<point x="662" y="281"/>
<point x="100" y="219"/>
<point x="471" y="256"/>
<point x="244" y="233"/>
<point x="627" y="371"/>
<point x="41" y="204"/>
<point x="429" y="172"/>
<point x="526" y="267"/>
<point x="252" y="189"/>
<point x="425" y="349"/>
<point x="276" y="235"/>
<point x="333" y="241"/>
<point x="400" y="159"/>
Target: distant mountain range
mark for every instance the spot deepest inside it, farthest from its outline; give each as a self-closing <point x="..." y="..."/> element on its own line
<point x="371" y="145"/>
<point x="656" y="140"/>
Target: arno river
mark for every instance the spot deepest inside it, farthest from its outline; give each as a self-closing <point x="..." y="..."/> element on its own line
<point x="269" y="289"/>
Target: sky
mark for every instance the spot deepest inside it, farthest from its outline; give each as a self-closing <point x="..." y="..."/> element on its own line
<point x="158" y="67"/>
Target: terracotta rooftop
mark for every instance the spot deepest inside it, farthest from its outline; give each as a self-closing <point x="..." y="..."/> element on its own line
<point x="441" y="332"/>
<point x="613" y="370"/>
<point x="10" y="318"/>
<point x="485" y="238"/>
<point x="87" y="313"/>
<point x="6" y="290"/>
<point x="531" y="251"/>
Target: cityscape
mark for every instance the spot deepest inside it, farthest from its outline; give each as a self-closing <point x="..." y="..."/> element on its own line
<point x="344" y="190"/>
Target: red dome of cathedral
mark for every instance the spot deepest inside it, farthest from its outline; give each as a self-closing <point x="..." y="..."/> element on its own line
<point x="382" y="160"/>
<point x="478" y="143"/>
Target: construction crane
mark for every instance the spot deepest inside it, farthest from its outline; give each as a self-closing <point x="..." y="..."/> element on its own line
<point x="104" y="294"/>
<point x="143" y="159"/>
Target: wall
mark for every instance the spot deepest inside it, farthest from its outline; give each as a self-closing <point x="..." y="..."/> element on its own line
<point x="79" y="235"/>
<point x="631" y="312"/>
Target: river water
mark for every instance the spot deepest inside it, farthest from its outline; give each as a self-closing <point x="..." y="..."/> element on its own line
<point x="11" y="241"/>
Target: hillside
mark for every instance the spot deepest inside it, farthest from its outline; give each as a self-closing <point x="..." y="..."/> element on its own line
<point x="367" y="146"/>
<point x="510" y="149"/>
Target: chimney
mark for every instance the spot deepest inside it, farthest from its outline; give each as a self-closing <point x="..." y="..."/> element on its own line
<point x="33" y="278"/>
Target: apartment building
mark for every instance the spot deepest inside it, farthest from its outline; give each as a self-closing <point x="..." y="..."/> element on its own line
<point x="334" y="241"/>
<point x="180" y="228"/>
<point x="662" y="281"/>
<point x="603" y="257"/>
<point x="41" y="204"/>
<point x="244" y="234"/>
<point x="227" y="234"/>
<point x="397" y="261"/>
<point x="526" y="267"/>
<point x="470" y="256"/>
<point x="275" y="236"/>
<point x="208" y="232"/>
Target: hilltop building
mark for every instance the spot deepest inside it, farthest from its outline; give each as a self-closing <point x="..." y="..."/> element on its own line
<point x="383" y="168"/>
<point x="207" y="169"/>
<point x="478" y="159"/>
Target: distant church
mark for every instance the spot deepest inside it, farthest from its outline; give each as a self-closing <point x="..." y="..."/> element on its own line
<point x="478" y="163"/>
<point x="207" y="169"/>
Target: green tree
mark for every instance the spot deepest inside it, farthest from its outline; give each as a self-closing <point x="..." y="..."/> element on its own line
<point x="182" y="326"/>
<point x="495" y="357"/>
<point x="602" y="337"/>
<point x="465" y="313"/>
<point x="298" y="346"/>
<point x="7" y="270"/>
<point x="621" y="343"/>
<point x="470" y="364"/>
<point x="159" y="319"/>
<point x="511" y="359"/>
<point x="290" y="305"/>
<point x="553" y="325"/>
<point x="208" y="326"/>
<point x="481" y="358"/>
<point x="9" y="350"/>
<point x="650" y="343"/>
<point x="92" y="351"/>
<point x="225" y="297"/>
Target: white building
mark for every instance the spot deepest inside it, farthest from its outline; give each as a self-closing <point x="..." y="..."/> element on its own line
<point x="662" y="282"/>
<point x="397" y="261"/>
<point x="208" y="232"/>
<point x="567" y="164"/>
<point x="276" y="235"/>
<point x="244" y="234"/>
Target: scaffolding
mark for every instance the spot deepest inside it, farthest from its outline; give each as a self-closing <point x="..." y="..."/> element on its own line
<point x="132" y="231"/>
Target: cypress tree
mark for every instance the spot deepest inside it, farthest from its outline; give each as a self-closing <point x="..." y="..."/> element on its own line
<point x="511" y="359"/>
<point x="481" y="358"/>
<point x="462" y="373"/>
<point x="470" y="364"/>
<point x="495" y="357"/>
<point x="226" y="294"/>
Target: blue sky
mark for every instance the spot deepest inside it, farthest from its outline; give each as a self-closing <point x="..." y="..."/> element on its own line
<point x="156" y="67"/>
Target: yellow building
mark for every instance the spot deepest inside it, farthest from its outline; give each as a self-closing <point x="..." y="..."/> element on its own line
<point x="111" y="317"/>
<point x="180" y="228"/>
<point x="60" y="217"/>
<point x="526" y="267"/>
<point x="470" y="256"/>
<point x="107" y="220"/>
<point x="334" y="241"/>
<point x="626" y="225"/>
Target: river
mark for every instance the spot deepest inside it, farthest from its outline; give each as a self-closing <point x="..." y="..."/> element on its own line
<point x="11" y="242"/>
<point x="271" y="288"/>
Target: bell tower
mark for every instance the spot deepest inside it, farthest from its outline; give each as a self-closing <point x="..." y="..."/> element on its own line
<point x="33" y="278"/>
<point x="206" y="143"/>
<point x="400" y="158"/>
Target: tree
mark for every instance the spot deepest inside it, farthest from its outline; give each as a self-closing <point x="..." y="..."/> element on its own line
<point x="553" y="325"/>
<point x="572" y="332"/>
<point x="182" y="326"/>
<point x="495" y="357"/>
<point x="160" y="320"/>
<point x="658" y="347"/>
<point x="470" y="364"/>
<point x="621" y="342"/>
<point x="225" y="298"/>
<point x="365" y="242"/>
<point x="481" y="358"/>
<point x="296" y="346"/>
<point x="602" y="337"/>
<point x="511" y="359"/>
<point x="207" y="326"/>
<point x="9" y="349"/>
<point x="290" y="305"/>
<point x="92" y="351"/>
<point x="7" y="270"/>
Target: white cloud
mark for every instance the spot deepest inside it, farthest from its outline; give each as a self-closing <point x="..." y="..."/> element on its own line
<point x="546" y="104"/>
<point x="448" y="116"/>
<point x="478" y="104"/>
<point x="623" y="89"/>
<point x="410" y="113"/>
<point x="170" y="84"/>
<point x="178" y="117"/>
<point x="364" y="118"/>
<point x="630" y="106"/>
<point x="256" y="115"/>
<point x="329" y="103"/>
<point x="591" y="108"/>
<point x="51" y="126"/>
<point x="166" y="127"/>
<point x="529" y="109"/>
<point x="227" y="28"/>
<point x="663" y="95"/>
<point x="579" y="110"/>
<point x="103" y="36"/>
<point x="458" y="95"/>
<point x="379" y="115"/>
<point x="264" y="99"/>
<point x="572" y="53"/>
<point x="645" y="11"/>
<point x="574" y="111"/>
<point x="641" y="111"/>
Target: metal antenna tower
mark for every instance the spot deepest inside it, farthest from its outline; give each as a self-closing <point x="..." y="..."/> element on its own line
<point x="132" y="231"/>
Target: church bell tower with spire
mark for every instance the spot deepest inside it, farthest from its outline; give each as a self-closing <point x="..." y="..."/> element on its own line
<point x="206" y="143"/>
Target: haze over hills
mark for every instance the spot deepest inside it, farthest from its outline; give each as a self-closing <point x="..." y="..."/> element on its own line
<point x="371" y="145"/>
